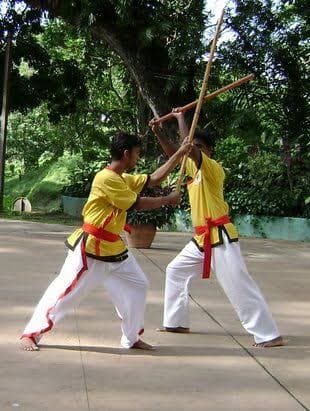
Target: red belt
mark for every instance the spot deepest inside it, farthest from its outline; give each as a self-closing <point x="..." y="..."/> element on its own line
<point x="100" y="233"/>
<point x="127" y="227"/>
<point x="205" y="229"/>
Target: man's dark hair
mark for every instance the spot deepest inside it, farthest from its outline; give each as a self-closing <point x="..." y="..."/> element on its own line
<point x="205" y="137"/>
<point x="121" y="142"/>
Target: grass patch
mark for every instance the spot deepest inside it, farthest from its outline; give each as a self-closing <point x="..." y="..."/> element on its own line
<point x="42" y="186"/>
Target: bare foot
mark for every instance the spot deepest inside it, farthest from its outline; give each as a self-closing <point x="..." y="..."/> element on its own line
<point x="27" y="344"/>
<point x="276" y="342"/>
<point x="179" y="330"/>
<point x="141" y="345"/>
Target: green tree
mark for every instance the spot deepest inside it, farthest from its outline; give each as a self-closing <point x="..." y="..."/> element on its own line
<point x="57" y="82"/>
<point x="154" y="39"/>
<point x="31" y="135"/>
<point x="270" y="40"/>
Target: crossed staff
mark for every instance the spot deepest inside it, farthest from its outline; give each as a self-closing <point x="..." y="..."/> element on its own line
<point x="202" y="97"/>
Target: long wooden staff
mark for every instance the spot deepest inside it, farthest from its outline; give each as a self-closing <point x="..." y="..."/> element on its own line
<point x="200" y="99"/>
<point x="208" y="97"/>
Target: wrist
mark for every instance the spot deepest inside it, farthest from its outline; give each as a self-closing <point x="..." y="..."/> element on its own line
<point x="166" y="200"/>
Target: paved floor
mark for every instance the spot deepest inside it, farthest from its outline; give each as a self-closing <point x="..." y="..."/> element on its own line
<point x="81" y="367"/>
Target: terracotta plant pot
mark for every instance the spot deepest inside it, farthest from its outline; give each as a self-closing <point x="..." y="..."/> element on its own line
<point x="142" y="236"/>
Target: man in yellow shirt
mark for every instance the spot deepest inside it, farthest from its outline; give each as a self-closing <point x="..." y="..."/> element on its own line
<point x="97" y="254"/>
<point x="215" y="245"/>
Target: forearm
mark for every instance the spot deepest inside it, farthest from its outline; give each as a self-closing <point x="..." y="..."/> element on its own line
<point x="168" y="147"/>
<point x="183" y="128"/>
<point x="162" y="172"/>
<point x="150" y="203"/>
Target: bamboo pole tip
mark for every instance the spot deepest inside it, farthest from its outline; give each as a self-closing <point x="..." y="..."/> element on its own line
<point x="222" y="14"/>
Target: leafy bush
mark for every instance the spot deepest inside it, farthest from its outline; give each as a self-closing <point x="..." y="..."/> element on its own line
<point x="43" y="185"/>
<point x="269" y="187"/>
<point x="31" y="135"/>
<point x="257" y="183"/>
<point x="256" y="180"/>
<point x="160" y="216"/>
<point x="80" y="178"/>
<point x="7" y="203"/>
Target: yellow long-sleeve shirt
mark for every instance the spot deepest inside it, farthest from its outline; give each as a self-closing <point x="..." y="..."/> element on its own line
<point x="110" y="197"/>
<point x="206" y="198"/>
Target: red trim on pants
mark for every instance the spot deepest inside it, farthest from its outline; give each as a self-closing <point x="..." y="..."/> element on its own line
<point x="205" y="229"/>
<point x="100" y="234"/>
<point x="66" y="292"/>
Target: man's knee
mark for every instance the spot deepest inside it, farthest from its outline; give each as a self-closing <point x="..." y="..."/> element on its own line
<point x="143" y="283"/>
<point x="172" y="270"/>
<point x="146" y="284"/>
<point x="170" y="267"/>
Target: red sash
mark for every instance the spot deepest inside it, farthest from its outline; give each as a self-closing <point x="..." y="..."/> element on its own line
<point x="205" y="229"/>
<point x="127" y="227"/>
<point x="101" y="234"/>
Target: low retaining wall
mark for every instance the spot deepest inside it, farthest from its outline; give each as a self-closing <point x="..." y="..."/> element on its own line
<point x="73" y="205"/>
<point x="274" y="228"/>
<point x="282" y="228"/>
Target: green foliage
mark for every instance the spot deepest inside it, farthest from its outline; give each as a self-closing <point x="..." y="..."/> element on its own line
<point x="232" y="152"/>
<point x="45" y="195"/>
<point x="257" y="183"/>
<point x="33" y="139"/>
<point x="7" y="203"/>
<point x="81" y="175"/>
<point x="32" y="135"/>
<point x="36" y="75"/>
<point x="103" y="65"/>
<point x="157" y="217"/>
<point x="271" y="40"/>
<point x="55" y="217"/>
<point x="152" y="39"/>
<point x="43" y="185"/>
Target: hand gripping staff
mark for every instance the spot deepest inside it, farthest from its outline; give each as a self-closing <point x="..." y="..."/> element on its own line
<point x="201" y="98"/>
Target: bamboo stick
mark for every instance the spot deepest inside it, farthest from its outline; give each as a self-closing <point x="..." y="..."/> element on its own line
<point x="210" y="96"/>
<point x="200" y="99"/>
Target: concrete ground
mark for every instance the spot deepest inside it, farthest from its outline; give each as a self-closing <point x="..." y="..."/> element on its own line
<point x="81" y="367"/>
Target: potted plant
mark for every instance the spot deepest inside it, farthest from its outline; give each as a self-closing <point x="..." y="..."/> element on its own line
<point x="145" y="222"/>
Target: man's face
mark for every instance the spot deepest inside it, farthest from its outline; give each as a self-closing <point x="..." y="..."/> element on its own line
<point x="132" y="156"/>
<point x="201" y="146"/>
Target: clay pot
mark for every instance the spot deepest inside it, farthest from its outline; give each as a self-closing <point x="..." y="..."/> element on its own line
<point x="141" y="236"/>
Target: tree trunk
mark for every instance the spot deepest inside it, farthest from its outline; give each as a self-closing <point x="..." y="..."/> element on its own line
<point x="4" y="114"/>
<point x="151" y="81"/>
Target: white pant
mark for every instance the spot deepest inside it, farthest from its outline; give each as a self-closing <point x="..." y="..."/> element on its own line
<point x="125" y="282"/>
<point x="228" y="266"/>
